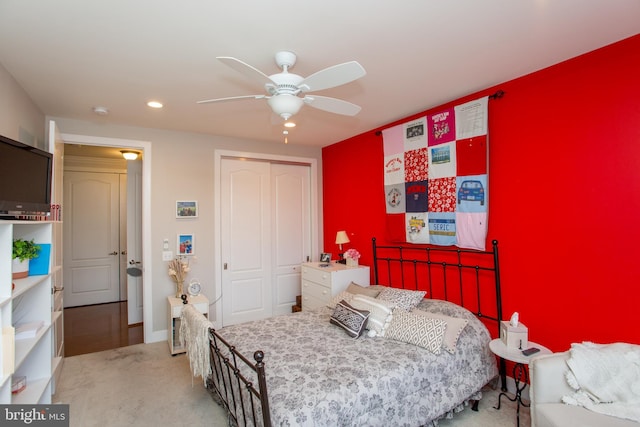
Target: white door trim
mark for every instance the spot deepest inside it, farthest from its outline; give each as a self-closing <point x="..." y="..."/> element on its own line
<point x="145" y="147"/>
<point x="217" y="261"/>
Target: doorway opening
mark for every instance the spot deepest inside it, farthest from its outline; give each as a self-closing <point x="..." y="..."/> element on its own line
<point x="102" y="325"/>
<point x="93" y="328"/>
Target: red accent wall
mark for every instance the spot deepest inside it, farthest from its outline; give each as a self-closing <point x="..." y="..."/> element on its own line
<point x="564" y="195"/>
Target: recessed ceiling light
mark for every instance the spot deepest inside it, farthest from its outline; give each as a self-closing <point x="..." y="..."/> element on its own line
<point x="102" y="111"/>
<point x="155" y="104"/>
<point x="289" y="124"/>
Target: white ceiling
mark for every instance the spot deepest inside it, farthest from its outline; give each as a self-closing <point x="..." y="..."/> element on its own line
<point x="72" y="55"/>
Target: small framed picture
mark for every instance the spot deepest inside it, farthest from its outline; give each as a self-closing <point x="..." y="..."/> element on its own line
<point x="325" y="257"/>
<point x="186" y="244"/>
<point x="186" y="209"/>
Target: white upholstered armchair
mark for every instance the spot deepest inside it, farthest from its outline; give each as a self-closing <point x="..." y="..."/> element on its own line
<point x="547" y="374"/>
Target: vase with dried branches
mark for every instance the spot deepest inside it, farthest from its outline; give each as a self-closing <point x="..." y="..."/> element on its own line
<point x="178" y="269"/>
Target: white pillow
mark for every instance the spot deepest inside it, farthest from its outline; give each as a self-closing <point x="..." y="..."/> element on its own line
<point x="344" y="295"/>
<point x="381" y="313"/>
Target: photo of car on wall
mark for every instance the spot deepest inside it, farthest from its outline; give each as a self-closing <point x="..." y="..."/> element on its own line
<point x="471" y="190"/>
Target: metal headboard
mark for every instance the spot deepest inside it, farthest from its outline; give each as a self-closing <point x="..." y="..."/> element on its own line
<point x="467" y="277"/>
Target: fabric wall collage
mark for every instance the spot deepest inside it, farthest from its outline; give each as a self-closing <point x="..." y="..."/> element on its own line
<point x="436" y="177"/>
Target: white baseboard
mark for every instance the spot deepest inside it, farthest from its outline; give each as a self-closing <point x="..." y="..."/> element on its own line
<point x="157" y="336"/>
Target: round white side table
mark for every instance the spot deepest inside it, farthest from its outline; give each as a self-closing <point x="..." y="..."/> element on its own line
<point x="520" y="375"/>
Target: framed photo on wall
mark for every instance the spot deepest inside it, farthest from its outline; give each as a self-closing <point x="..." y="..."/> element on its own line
<point x="186" y="209"/>
<point x="186" y="244"/>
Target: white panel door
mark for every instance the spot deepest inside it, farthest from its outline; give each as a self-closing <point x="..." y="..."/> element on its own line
<point x="91" y="238"/>
<point x="291" y="231"/>
<point x="245" y="241"/>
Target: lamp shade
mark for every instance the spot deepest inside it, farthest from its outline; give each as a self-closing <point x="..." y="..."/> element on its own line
<point x="341" y="237"/>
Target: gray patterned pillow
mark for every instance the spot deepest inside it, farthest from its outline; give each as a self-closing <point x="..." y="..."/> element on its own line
<point x="419" y="330"/>
<point x="453" y="331"/>
<point x="352" y="320"/>
<point x="404" y="299"/>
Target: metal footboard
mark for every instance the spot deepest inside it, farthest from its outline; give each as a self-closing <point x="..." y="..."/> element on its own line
<point x="232" y="383"/>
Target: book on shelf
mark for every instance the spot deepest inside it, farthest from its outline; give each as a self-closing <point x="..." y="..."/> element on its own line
<point x="28" y="329"/>
<point x="40" y="264"/>
<point x="7" y="356"/>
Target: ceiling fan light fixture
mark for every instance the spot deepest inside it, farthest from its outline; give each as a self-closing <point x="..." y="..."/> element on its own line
<point x="287" y="92"/>
<point x="285" y="105"/>
<point x="289" y="124"/>
<point x="155" y="104"/>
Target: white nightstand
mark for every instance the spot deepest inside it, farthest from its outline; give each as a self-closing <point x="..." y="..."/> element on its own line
<point x="200" y="303"/>
<point x="320" y="284"/>
<point x="520" y="375"/>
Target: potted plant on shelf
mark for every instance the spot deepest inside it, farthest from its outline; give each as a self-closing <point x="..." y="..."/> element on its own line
<point x="23" y="251"/>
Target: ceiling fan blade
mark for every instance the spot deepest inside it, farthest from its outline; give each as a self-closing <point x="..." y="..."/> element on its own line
<point x="333" y="76"/>
<point x="231" y="98"/>
<point x="247" y="70"/>
<point x="332" y="105"/>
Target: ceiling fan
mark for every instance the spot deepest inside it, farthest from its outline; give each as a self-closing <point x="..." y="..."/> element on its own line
<point x="286" y="92"/>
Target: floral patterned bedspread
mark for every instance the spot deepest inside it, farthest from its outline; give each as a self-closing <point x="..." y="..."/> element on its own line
<point x="319" y="376"/>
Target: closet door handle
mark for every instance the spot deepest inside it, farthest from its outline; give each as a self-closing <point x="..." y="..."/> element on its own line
<point x="114" y="253"/>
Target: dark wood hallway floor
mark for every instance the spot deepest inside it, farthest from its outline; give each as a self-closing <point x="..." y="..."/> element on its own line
<point x="93" y="328"/>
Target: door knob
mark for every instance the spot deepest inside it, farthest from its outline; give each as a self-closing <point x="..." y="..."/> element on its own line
<point x="114" y="253"/>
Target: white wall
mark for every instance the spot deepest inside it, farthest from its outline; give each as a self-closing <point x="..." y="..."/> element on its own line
<point x="20" y="119"/>
<point x="182" y="168"/>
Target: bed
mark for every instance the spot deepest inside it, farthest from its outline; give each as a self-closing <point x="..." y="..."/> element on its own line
<point x="303" y="369"/>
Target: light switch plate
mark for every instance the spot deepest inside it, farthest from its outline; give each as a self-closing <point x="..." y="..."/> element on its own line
<point x="167" y="255"/>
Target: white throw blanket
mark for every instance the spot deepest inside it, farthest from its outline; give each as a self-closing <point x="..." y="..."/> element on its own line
<point x="194" y="334"/>
<point x="606" y="378"/>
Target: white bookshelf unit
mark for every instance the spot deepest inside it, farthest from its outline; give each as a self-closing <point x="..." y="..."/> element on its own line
<point x="34" y="358"/>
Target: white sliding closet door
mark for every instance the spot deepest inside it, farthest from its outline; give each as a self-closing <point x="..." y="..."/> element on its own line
<point x="265" y="236"/>
<point x="290" y="231"/>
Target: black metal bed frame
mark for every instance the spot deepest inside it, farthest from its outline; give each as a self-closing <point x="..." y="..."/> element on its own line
<point x="226" y="364"/>
<point x="443" y="265"/>
<point x="238" y="394"/>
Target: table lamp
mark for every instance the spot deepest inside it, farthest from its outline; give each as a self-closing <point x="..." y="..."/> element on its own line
<point x="341" y="238"/>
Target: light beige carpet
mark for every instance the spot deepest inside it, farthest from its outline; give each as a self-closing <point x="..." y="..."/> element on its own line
<point x="143" y="385"/>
